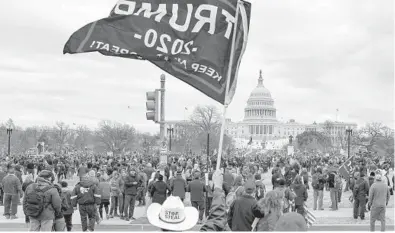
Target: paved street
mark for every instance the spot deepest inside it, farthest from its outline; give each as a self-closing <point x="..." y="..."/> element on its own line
<point x="13" y="227"/>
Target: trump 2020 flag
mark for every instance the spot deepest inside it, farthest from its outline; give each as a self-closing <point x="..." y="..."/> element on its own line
<point x="189" y="39"/>
<point x="346" y="168"/>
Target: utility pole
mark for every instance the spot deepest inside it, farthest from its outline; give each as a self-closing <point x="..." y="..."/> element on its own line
<point x="162" y="107"/>
<point x="9" y="132"/>
<point x="170" y="132"/>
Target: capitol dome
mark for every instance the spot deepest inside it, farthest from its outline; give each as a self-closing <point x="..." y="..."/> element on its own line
<point x="260" y="112"/>
<point x="260" y="91"/>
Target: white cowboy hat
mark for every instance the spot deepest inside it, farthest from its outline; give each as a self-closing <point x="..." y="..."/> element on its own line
<point x="172" y="215"/>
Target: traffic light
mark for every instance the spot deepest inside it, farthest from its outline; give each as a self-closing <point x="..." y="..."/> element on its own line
<point x="152" y="105"/>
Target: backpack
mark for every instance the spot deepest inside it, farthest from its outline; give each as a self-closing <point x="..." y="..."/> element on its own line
<point x="35" y="201"/>
<point x="231" y="197"/>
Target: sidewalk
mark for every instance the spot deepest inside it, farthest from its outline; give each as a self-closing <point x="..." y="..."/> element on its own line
<point x="323" y="217"/>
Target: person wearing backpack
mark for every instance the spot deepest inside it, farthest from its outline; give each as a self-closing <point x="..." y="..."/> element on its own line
<point x="86" y="195"/>
<point x="42" y="202"/>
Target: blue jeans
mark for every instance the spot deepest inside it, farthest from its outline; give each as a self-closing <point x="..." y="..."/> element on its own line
<point x="318" y="197"/>
<point x="41" y="225"/>
<point x="129" y="204"/>
<point x="377" y="213"/>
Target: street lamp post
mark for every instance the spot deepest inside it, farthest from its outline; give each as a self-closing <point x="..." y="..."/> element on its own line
<point x="349" y="133"/>
<point x="170" y="132"/>
<point x="9" y="132"/>
<point x="208" y="151"/>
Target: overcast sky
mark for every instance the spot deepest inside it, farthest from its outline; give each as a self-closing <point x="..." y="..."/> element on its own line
<point x="316" y="56"/>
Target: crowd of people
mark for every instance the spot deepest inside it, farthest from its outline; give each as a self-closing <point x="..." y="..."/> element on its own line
<point x="234" y="198"/>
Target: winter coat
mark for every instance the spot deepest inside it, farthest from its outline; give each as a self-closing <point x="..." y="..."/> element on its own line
<point x="379" y="195"/>
<point x="197" y="189"/>
<point x="85" y="192"/>
<point x="301" y="193"/>
<point x="321" y="181"/>
<point x="11" y="185"/>
<point x="105" y="190"/>
<point x="53" y="202"/>
<point x="178" y="186"/>
<point x="66" y="195"/>
<point x="122" y="184"/>
<point x="243" y="212"/>
<point x="115" y="186"/>
<point x="131" y="185"/>
<point x="159" y="192"/>
<point x="268" y="223"/>
<point x="149" y="171"/>
<point x="217" y="220"/>
<point x="2" y="175"/>
<point x="360" y="188"/>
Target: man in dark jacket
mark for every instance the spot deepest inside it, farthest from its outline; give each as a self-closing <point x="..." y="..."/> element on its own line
<point x="360" y="192"/>
<point x="86" y="194"/>
<point x="52" y="204"/>
<point x="12" y="188"/>
<point x="178" y="185"/>
<point x="131" y="184"/>
<point x="197" y="189"/>
<point x="159" y="190"/>
<point x="244" y="210"/>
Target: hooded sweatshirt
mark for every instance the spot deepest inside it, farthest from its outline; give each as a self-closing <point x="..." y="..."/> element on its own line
<point x="85" y="193"/>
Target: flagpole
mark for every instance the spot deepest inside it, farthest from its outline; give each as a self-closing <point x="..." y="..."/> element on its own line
<point x="221" y="137"/>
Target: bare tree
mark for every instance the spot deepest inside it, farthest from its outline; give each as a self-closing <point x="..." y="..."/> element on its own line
<point x="115" y="136"/>
<point x="61" y="134"/>
<point x="82" y="136"/>
<point x="206" y="118"/>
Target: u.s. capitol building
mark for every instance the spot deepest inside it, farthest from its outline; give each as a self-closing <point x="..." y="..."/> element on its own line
<point x="260" y="123"/>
